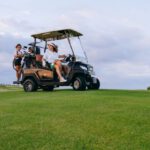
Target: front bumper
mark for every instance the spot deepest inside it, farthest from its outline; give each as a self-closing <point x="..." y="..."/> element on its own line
<point x="92" y="79"/>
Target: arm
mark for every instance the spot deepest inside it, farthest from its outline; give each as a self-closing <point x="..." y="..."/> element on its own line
<point x="43" y="62"/>
<point x="17" y="55"/>
<point x="44" y="59"/>
<point x="61" y="56"/>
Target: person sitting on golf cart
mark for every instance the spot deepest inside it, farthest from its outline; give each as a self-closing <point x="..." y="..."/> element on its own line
<point x="17" y="60"/>
<point x="52" y="58"/>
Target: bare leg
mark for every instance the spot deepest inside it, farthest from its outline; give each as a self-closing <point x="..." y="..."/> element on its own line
<point x="58" y="71"/>
<point x="18" y="72"/>
<point x="58" y="67"/>
<point x="58" y="63"/>
<point x="65" y="69"/>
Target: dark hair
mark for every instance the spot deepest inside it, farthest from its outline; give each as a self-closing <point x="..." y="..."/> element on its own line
<point x="18" y="45"/>
<point x="55" y="47"/>
<point x="31" y="49"/>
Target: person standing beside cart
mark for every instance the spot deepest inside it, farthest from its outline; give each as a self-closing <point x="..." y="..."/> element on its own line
<point x="17" y="60"/>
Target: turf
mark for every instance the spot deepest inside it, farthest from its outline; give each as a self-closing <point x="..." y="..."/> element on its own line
<point x="69" y="120"/>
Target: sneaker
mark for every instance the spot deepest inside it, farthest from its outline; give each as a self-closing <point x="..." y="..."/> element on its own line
<point x="62" y="80"/>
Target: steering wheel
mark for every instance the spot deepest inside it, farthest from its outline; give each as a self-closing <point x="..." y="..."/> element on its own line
<point x="69" y="58"/>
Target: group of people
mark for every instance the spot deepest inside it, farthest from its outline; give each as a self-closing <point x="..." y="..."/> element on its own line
<point x="50" y="56"/>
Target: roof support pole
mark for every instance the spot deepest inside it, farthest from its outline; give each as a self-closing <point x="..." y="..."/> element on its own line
<point x="34" y="45"/>
<point x="69" y="41"/>
<point x="83" y="49"/>
<point x="45" y="46"/>
<point x="70" y="46"/>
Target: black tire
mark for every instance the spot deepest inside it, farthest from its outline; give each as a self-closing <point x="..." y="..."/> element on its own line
<point x="48" y="88"/>
<point x="79" y="84"/>
<point x="94" y="86"/>
<point x="29" y="85"/>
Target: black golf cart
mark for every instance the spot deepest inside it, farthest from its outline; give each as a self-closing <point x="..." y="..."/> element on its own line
<point x="79" y="75"/>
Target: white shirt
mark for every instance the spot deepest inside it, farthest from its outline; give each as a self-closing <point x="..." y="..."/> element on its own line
<point x="50" y="56"/>
<point x="17" y="53"/>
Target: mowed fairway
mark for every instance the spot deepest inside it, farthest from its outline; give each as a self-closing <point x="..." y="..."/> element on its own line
<point x="69" y="120"/>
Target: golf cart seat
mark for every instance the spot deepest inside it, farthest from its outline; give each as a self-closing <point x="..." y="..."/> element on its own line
<point x="39" y="60"/>
<point x="38" y="57"/>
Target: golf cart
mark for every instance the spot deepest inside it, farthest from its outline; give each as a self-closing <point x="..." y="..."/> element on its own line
<point x="79" y="75"/>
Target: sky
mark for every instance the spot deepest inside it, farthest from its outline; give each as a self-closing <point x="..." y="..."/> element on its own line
<point x="116" y="35"/>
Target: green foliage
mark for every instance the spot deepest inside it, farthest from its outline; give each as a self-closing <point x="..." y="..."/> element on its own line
<point x="65" y="119"/>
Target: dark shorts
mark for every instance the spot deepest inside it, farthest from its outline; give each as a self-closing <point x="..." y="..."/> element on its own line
<point x="17" y="62"/>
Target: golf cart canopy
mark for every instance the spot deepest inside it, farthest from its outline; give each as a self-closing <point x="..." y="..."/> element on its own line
<point x="57" y="35"/>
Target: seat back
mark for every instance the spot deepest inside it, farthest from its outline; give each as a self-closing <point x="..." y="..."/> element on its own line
<point x="39" y="60"/>
<point x="39" y="57"/>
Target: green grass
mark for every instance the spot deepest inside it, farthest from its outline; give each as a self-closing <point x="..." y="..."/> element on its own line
<point x="69" y="120"/>
<point x="9" y="88"/>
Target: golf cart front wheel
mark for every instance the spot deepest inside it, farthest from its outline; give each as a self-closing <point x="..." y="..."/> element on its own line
<point x="29" y="85"/>
<point x="79" y="84"/>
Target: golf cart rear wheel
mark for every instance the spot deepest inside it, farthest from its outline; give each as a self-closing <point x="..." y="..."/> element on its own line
<point x="79" y="84"/>
<point x="29" y="85"/>
<point x="94" y="86"/>
<point x="48" y="88"/>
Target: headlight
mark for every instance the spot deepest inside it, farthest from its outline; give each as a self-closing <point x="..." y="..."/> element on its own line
<point x="91" y="70"/>
<point x="83" y="67"/>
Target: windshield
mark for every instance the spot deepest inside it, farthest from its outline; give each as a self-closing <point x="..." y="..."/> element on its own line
<point x="64" y="48"/>
<point x="78" y="50"/>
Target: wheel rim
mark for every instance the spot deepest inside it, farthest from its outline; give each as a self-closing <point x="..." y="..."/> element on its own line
<point x="28" y="86"/>
<point x="76" y="84"/>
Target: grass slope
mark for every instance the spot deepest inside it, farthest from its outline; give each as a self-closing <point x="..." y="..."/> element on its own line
<point x="65" y="119"/>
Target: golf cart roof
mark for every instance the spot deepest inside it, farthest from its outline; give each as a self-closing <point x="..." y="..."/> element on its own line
<point x="57" y="35"/>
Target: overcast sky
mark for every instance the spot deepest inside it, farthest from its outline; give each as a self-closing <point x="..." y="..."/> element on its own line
<point x="116" y="35"/>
